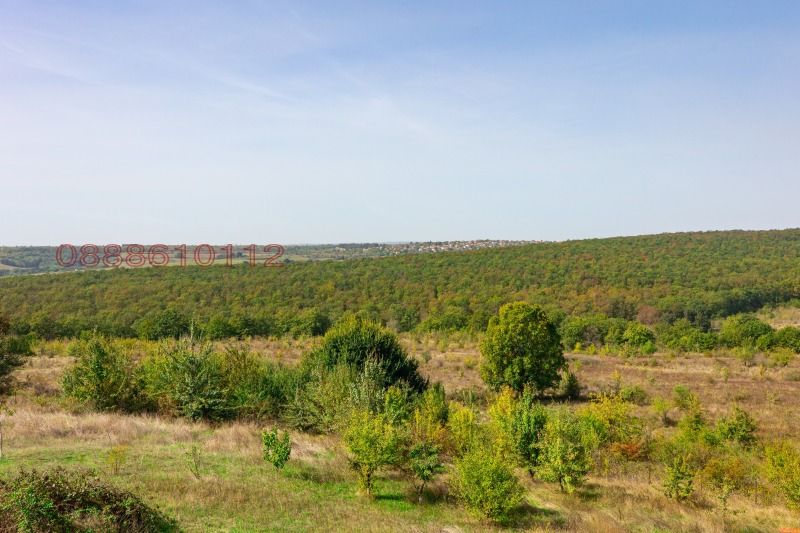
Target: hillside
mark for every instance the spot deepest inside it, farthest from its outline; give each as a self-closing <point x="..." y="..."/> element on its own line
<point x="694" y="275"/>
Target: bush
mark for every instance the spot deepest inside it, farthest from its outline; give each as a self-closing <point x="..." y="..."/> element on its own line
<point x="256" y="388"/>
<point x="311" y="323"/>
<point x="565" y="456"/>
<point x="570" y="387"/>
<point x="323" y="404"/>
<point x="638" y="336"/>
<point x="725" y="474"/>
<point x="192" y="382"/>
<point x="276" y="449"/>
<point x="788" y="337"/>
<point x="739" y="427"/>
<point x="104" y="376"/>
<point x="743" y="330"/>
<point x="683" y="337"/>
<point x="354" y="340"/>
<point x="61" y="500"/>
<point x="487" y="485"/>
<point x="783" y="470"/>
<point x="522" y="347"/>
<point x="164" y="325"/>
<point x="527" y="429"/>
<point x="424" y="462"/>
<point x="679" y="477"/>
<point x="372" y="443"/>
<point x="463" y="429"/>
<point x="609" y="417"/>
<point x="684" y="398"/>
<point x="635" y="395"/>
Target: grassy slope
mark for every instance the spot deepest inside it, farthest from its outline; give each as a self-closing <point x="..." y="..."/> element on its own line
<point x="317" y="492"/>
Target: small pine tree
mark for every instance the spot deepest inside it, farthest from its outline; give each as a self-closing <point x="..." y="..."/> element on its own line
<point x="277" y="449"/>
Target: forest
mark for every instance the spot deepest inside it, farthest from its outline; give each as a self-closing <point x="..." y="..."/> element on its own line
<point x="661" y="278"/>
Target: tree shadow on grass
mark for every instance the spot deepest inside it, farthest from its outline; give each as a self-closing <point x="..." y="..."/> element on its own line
<point x="527" y="516"/>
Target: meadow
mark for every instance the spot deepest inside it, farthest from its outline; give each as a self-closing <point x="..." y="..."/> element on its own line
<point x="212" y="477"/>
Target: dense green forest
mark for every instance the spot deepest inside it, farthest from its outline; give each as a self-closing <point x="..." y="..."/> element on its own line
<point x="658" y="278"/>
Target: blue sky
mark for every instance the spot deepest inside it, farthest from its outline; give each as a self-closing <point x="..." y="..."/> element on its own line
<point x="311" y="122"/>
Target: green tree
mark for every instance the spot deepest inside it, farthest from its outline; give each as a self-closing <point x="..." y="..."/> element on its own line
<point x="565" y="456"/>
<point x="743" y="330"/>
<point x="354" y="340"/>
<point x="373" y="443"/>
<point x="277" y="449"/>
<point x="739" y="427"/>
<point x="424" y="462"/>
<point x="487" y="484"/>
<point x="528" y="426"/>
<point x="522" y="347"/>
<point x="783" y="470"/>
<point x="104" y="376"/>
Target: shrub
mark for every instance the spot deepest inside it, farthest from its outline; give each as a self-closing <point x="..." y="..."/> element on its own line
<point x="424" y="462"/>
<point x="522" y="347"/>
<point x="635" y="395"/>
<point x="61" y="500"/>
<point x="739" y="427"/>
<point x="684" y="398"/>
<point x="354" y="340"/>
<point x="639" y="336"/>
<point x="783" y="470"/>
<point x="724" y="475"/>
<point x="255" y="388"/>
<point x="742" y="330"/>
<point x="372" y="443"/>
<point x="463" y="429"/>
<point x="191" y="381"/>
<point x="311" y="323"/>
<point x="323" y="404"/>
<point x="788" y="337"/>
<point x="164" y="325"/>
<point x="528" y="426"/>
<point x="12" y="352"/>
<point x="104" y="376"/>
<point x="679" y="477"/>
<point x="276" y="449"/>
<point x="610" y="419"/>
<point x="565" y="456"/>
<point x="487" y="485"/>
<point x="570" y="387"/>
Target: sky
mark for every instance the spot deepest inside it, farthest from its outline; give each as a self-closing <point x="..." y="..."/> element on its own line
<point x="328" y="122"/>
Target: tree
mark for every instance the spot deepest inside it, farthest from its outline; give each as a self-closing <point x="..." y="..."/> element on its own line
<point x="354" y="340"/>
<point x="783" y="470"/>
<point x="424" y="462"/>
<point x="528" y="425"/>
<point x="104" y="376"/>
<point x="372" y="443"/>
<point x="276" y="449"/>
<point x="487" y="484"/>
<point x="564" y="458"/>
<point x="522" y="347"/>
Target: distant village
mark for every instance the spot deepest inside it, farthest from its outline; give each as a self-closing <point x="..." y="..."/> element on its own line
<point x="431" y="247"/>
